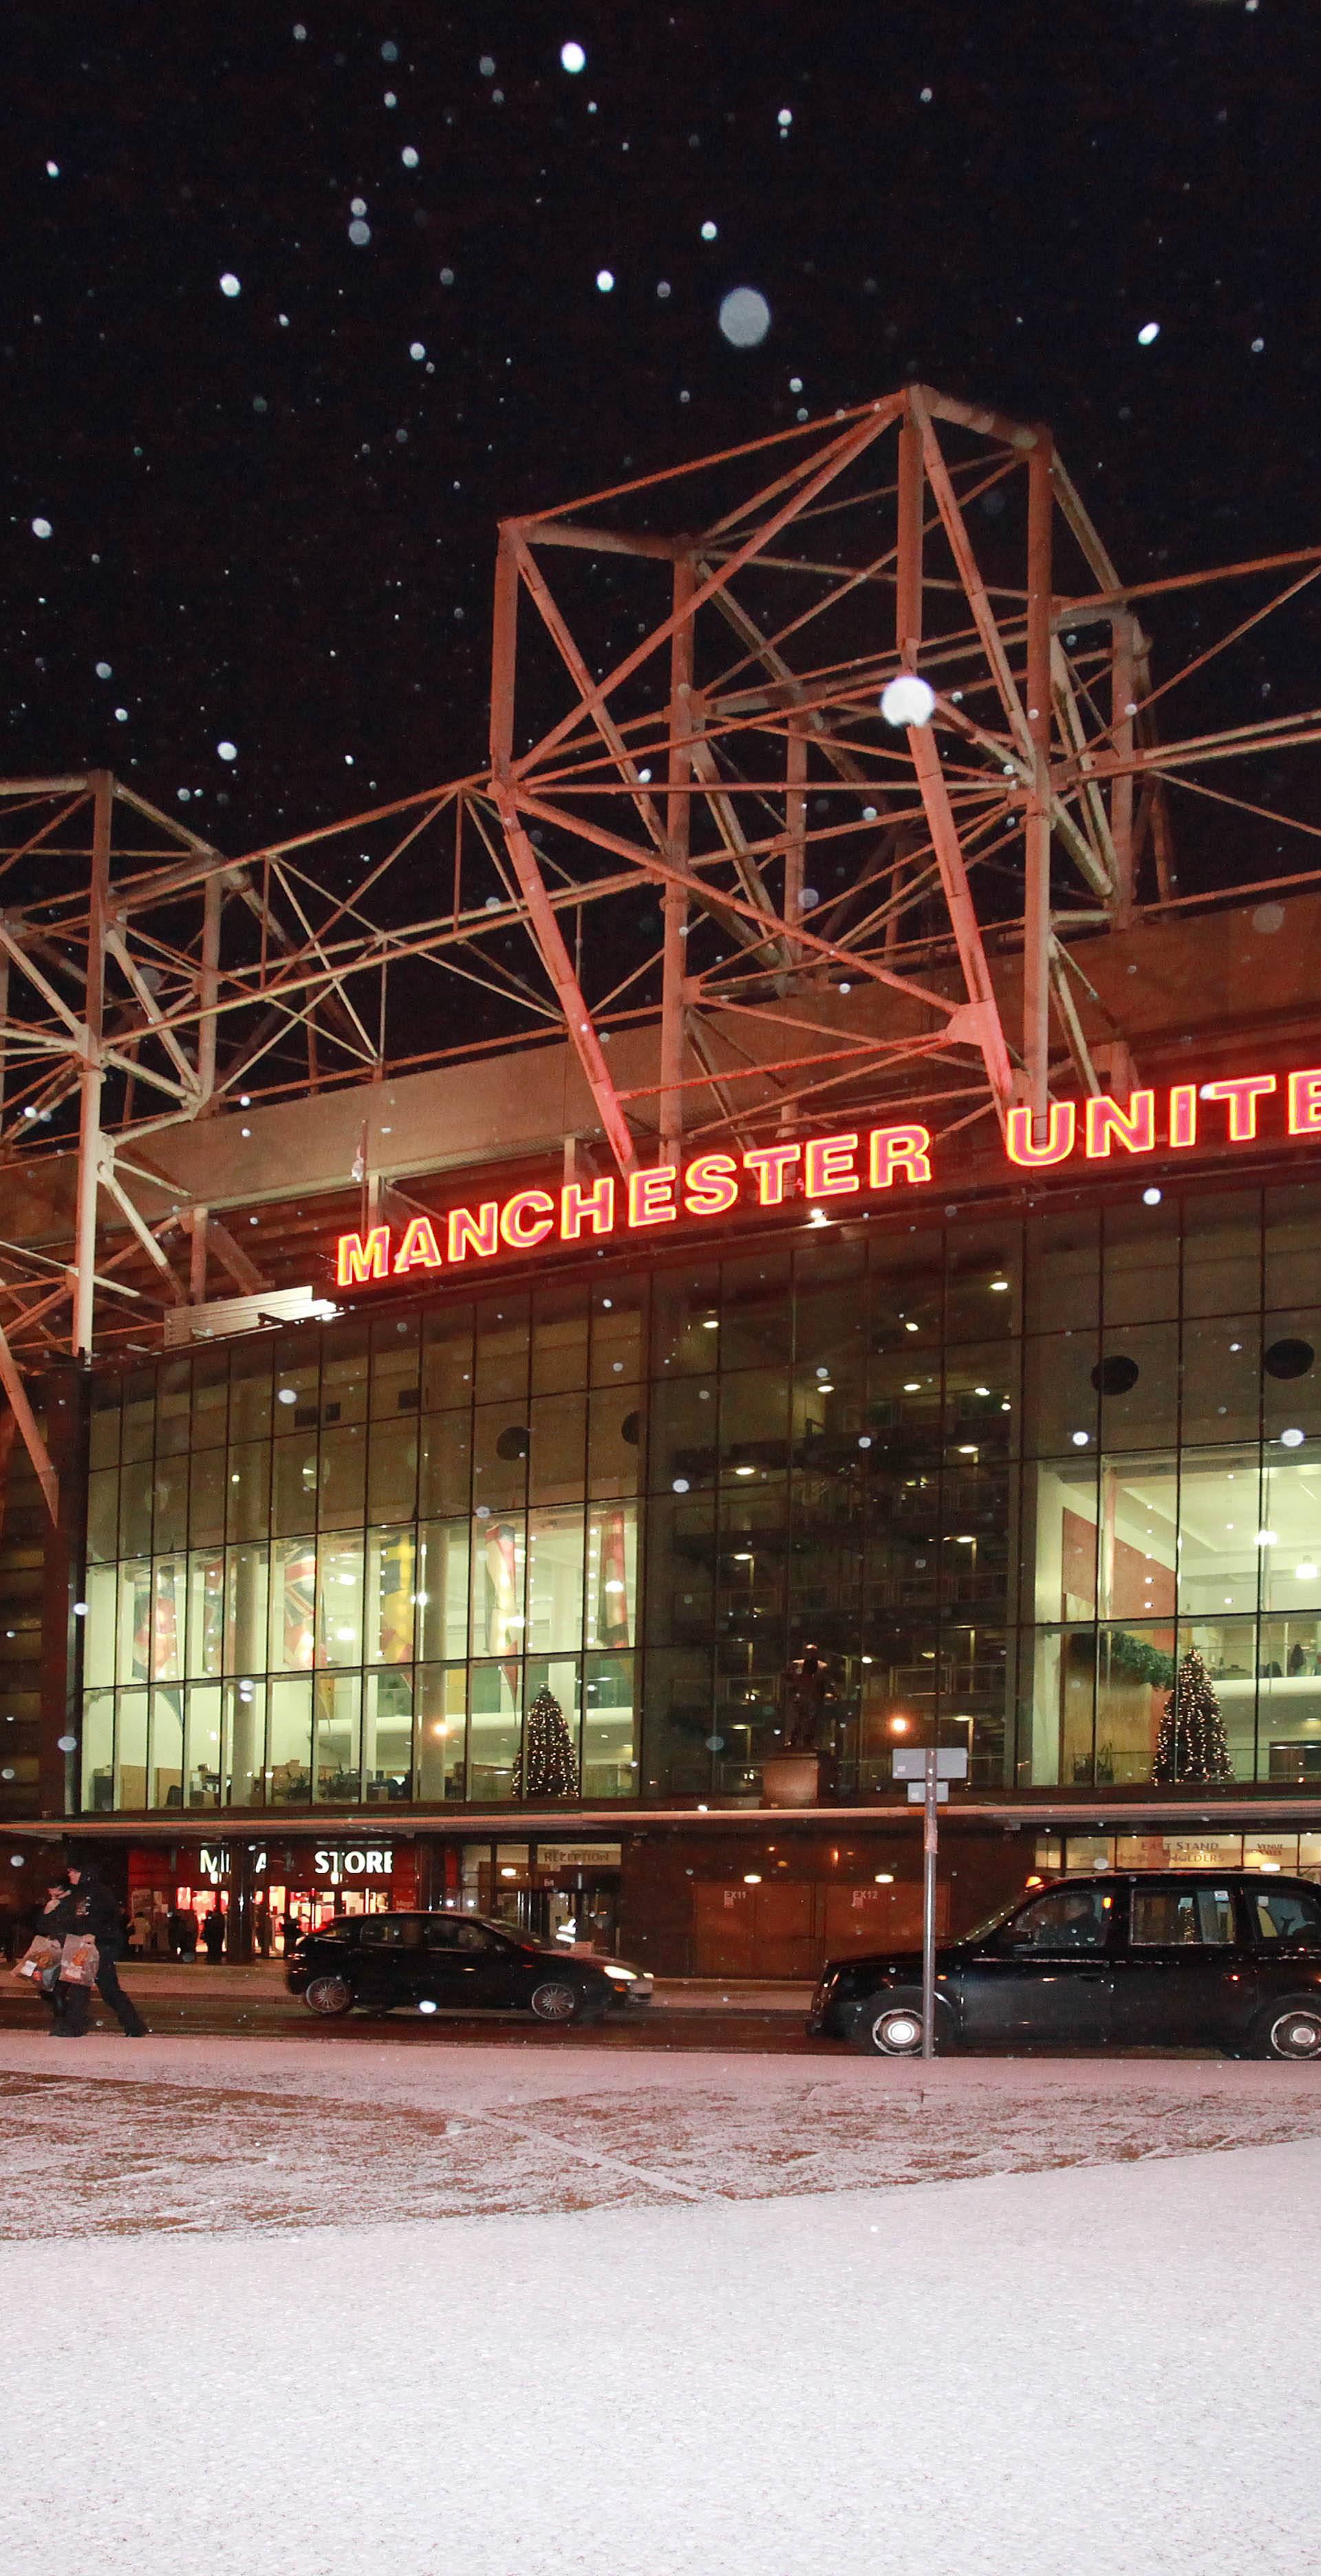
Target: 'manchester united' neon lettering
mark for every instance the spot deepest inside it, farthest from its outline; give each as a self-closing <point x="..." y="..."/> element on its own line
<point x="1249" y="1108"/>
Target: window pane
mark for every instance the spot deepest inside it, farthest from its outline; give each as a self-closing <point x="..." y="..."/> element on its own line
<point x="138" y="1415"/>
<point x="339" y="1601"/>
<point x="1221" y="1378"/>
<point x="294" y="1484"/>
<point x="244" y="1714"/>
<point x="1290" y="1375"/>
<point x="1138" y="1384"/>
<point x="210" y="1400"/>
<point x="1061" y="1399"/>
<point x="99" y="1627"/>
<point x="392" y="1470"/>
<point x="132" y="1659"/>
<point x="167" y="1619"/>
<point x="445" y="1471"/>
<point x="983" y="1282"/>
<point x="498" y="1553"/>
<point x="559" y="1341"/>
<point x="615" y="1439"/>
<point x="756" y="1310"/>
<point x="396" y="1366"/>
<point x="131" y="1749"/>
<point x="337" y="1706"/>
<point x="174" y="1407"/>
<point x="501" y="1441"/>
<point x="206" y="1573"/>
<point x="908" y="1292"/>
<point x="169" y="1502"/>
<point x="245" y="1612"/>
<point x="494" y="1727"/>
<point x="1289" y="1698"/>
<point x="387" y="1737"/>
<point x="1293" y="1240"/>
<point x="612" y="1574"/>
<point x="754" y="1423"/>
<point x="609" y="1728"/>
<point x="685" y="1320"/>
<point x="344" y="1374"/>
<point x="550" y="1763"/>
<point x="1070" y="1918"/>
<point x="447" y="1358"/>
<point x="619" y="1333"/>
<point x="391" y="1584"/>
<point x="98" y="1749"/>
<point x="1287" y="1914"/>
<point x="558" y="1434"/>
<point x="1222" y="1254"/>
<point x="293" y="1592"/>
<point x="1219" y="1521"/>
<point x="1063" y="1273"/>
<point x="555" y="1580"/>
<point x="248" y="1501"/>
<point x="103" y="1513"/>
<point x="103" y="1427"/>
<point x="1166" y="1917"/>
<point x="441" y="1707"/>
<point x="1140" y="1279"/>
<point x="503" y="1350"/>
<point x="250" y="1392"/>
<point x="202" y="1745"/>
<point x="344" y="1476"/>
<point x="135" y="1489"/>
<point x="289" y="1747"/>
<point x="1137" y="1547"/>
<point x="442" y="1589"/>
<point x="682" y="1445"/>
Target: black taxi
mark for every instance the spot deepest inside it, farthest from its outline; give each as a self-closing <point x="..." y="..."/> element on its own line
<point x="1227" y="1959"/>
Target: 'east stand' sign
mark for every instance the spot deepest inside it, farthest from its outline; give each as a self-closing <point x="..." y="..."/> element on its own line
<point x="828" y="1167"/>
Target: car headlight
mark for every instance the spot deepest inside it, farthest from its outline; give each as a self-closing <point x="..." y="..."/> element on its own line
<point x="623" y="1976"/>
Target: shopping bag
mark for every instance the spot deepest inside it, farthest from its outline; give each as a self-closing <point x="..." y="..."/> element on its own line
<point x="41" y="1954"/>
<point x="81" y="1960"/>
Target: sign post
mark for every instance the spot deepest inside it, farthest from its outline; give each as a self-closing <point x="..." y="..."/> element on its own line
<point x="928" y="1770"/>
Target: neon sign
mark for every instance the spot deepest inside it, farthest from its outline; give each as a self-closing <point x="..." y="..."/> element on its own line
<point x="834" y="1166"/>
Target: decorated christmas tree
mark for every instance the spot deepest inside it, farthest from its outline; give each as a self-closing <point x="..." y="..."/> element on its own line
<point x="1191" y="1744"/>
<point x="547" y="1766"/>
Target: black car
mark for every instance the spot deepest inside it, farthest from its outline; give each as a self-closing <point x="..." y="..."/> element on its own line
<point x="453" y="1963"/>
<point x="1229" y="1959"/>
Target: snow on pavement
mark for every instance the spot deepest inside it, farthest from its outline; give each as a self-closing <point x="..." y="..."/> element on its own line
<point x="1105" y="2366"/>
<point x="212" y="2135"/>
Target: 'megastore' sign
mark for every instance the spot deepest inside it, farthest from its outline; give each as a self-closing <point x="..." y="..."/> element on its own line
<point x="828" y="1167"/>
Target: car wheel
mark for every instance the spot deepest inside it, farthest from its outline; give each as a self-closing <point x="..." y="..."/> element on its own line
<point x="888" y="2029"/>
<point x="328" y="1996"/>
<point x="1290" y="2030"/>
<point x="555" y="2001"/>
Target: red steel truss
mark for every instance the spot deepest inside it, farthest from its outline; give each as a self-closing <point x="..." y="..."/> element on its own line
<point x="696" y="825"/>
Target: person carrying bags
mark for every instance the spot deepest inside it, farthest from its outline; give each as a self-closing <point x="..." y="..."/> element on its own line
<point x="88" y="1922"/>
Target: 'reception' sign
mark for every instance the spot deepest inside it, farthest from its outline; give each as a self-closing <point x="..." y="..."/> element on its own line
<point x="863" y="1162"/>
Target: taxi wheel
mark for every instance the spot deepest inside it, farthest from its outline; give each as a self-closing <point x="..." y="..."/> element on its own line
<point x="328" y="1996"/>
<point x="556" y="2002"/>
<point x="888" y="2029"/>
<point x="1291" y="2031"/>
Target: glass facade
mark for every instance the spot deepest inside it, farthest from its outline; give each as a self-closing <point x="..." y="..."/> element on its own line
<point x="999" y="1473"/>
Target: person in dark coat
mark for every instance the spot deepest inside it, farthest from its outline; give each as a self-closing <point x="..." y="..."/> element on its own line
<point x="90" y="1908"/>
<point x="262" y="1927"/>
<point x="183" y="1931"/>
<point x="213" y="1933"/>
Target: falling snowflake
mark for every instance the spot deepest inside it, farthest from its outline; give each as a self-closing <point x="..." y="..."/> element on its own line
<point x="52" y="169"/>
<point x="486" y="66"/>
<point x="41" y="528"/>
<point x="573" y="58"/>
<point x="1150" y="331"/>
<point x="708" y="231"/>
<point x="229" y="284"/>
<point x="227" y="750"/>
<point x="605" y="279"/>
<point x="745" y="317"/>
<point x="103" y="670"/>
<point x="416" y="349"/>
<point x="359" y="233"/>
<point x="785" y="119"/>
<point x="409" y="156"/>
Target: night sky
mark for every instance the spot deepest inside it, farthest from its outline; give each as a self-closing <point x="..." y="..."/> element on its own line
<point x="272" y="521"/>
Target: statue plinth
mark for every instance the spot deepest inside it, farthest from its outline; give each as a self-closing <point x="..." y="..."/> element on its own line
<point x="790" y="1779"/>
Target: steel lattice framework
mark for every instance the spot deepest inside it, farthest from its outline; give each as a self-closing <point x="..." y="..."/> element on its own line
<point x="695" y="823"/>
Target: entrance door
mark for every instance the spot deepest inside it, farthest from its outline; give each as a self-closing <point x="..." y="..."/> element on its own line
<point x="1047" y="1974"/>
<point x="1181" y="1977"/>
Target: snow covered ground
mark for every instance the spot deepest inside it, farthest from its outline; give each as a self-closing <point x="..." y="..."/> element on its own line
<point x="478" y="2313"/>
